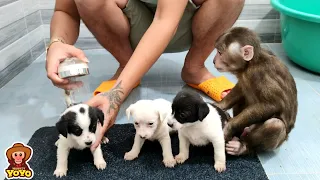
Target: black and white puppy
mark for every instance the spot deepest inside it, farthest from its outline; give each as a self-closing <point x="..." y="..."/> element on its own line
<point x="78" y="127"/>
<point x="198" y="123"/>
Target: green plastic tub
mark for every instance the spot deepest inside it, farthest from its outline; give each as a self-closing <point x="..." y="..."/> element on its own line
<point x="300" y="31"/>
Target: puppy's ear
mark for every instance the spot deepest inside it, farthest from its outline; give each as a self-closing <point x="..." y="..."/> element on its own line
<point x="62" y="126"/>
<point x="95" y="112"/>
<point x="129" y="111"/>
<point x="203" y="111"/>
<point x="100" y="115"/>
<point x="162" y="116"/>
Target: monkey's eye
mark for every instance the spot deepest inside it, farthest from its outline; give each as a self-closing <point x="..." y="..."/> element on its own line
<point x="150" y="124"/>
<point x="219" y="52"/>
<point x="20" y="154"/>
<point x="15" y="154"/>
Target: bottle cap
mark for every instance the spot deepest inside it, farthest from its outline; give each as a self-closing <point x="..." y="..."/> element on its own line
<point x="72" y="67"/>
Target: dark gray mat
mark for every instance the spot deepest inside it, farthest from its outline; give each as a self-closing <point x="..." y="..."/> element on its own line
<point x="147" y="166"/>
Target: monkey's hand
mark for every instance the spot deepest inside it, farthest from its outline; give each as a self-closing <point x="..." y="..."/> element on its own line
<point x="228" y="134"/>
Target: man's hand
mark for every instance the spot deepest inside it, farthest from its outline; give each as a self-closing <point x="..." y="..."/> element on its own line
<point x="109" y="102"/>
<point x="56" y="54"/>
<point x="103" y="103"/>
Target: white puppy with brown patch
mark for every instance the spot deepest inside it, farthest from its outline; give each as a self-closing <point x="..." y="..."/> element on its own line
<point x="150" y="124"/>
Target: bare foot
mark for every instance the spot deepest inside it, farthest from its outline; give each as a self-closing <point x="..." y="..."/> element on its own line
<point x="197" y="76"/>
<point x="236" y="147"/>
<point x="117" y="74"/>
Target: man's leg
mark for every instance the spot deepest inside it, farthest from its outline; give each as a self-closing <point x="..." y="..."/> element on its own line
<point x="209" y="22"/>
<point x="112" y="24"/>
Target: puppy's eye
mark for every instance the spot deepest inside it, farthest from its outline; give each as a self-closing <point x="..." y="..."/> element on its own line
<point x="183" y="115"/>
<point x="150" y="124"/>
<point x="77" y="131"/>
<point x="136" y="123"/>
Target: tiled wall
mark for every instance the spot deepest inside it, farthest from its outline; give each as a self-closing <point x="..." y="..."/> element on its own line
<point x="21" y="36"/>
<point x="25" y="29"/>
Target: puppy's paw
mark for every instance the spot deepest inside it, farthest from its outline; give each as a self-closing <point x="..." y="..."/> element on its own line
<point x="220" y="167"/>
<point x="105" y="140"/>
<point x="100" y="164"/>
<point x="181" y="158"/>
<point x="60" y="172"/>
<point x="130" y="155"/>
<point x="169" y="162"/>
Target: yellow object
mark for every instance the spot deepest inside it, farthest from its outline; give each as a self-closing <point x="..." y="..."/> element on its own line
<point x="214" y="87"/>
<point x="106" y="86"/>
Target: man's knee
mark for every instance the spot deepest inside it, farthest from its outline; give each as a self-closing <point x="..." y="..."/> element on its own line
<point x="121" y="3"/>
<point x="227" y="2"/>
<point x="94" y="5"/>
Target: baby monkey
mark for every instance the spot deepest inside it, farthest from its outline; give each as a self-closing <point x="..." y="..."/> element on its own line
<point x="264" y="101"/>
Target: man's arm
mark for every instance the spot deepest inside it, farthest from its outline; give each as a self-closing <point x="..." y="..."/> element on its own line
<point x="151" y="46"/>
<point x="65" y="21"/>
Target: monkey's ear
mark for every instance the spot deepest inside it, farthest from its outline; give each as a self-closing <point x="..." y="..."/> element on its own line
<point x="203" y="111"/>
<point x="62" y="126"/>
<point x="247" y="52"/>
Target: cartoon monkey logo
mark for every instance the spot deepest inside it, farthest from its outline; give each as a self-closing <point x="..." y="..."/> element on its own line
<point x="18" y="155"/>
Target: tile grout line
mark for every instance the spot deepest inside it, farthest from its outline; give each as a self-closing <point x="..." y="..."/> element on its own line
<point x="274" y="174"/>
<point x="313" y="88"/>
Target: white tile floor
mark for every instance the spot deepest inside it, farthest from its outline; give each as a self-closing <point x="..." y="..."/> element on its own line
<point x="30" y="101"/>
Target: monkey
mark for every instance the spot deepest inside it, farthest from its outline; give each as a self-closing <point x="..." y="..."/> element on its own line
<point x="263" y="101"/>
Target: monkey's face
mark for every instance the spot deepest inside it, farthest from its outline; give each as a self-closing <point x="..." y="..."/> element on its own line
<point x="18" y="156"/>
<point x="235" y="48"/>
<point x="234" y="58"/>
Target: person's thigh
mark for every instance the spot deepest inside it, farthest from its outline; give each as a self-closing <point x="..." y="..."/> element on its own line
<point x="183" y="38"/>
<point x="140" y="16"/>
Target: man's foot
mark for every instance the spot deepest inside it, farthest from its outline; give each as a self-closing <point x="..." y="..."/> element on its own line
<point x="197" y="76"/>
<point x="236" y="147"/>
<point x="117" y="74"/>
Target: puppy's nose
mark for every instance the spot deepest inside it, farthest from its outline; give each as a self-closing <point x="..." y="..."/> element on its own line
<point x="143" y="137"/>
<point x="88" y="143"/>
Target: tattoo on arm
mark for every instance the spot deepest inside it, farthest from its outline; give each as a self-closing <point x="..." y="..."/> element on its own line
<point x="114" y="97"/>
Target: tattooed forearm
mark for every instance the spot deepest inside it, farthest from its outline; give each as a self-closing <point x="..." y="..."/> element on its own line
<point x="114" y="97"/>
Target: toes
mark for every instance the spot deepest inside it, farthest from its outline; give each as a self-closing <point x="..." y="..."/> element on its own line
<point x="169" y="162"/>
<point x="130" y="156"/>
<point x="60" y="173"/>
<point x="101" y="165"/>
<point x="181" y="158"/>
<point x="105" y="140"/>
<point x="220" y="167"/>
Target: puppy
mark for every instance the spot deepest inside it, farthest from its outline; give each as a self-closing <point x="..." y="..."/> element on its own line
<point x="198" y="123"/>
<point x="78" y="127"/>
<point x="149" y="121"/>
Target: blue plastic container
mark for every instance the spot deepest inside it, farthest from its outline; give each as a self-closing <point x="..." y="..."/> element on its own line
<point x="300" y="31"/>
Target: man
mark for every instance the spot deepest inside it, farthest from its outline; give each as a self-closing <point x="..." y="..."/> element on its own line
<point x="136" y="33"/>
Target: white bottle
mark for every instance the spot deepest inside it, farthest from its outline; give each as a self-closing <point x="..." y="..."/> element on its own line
<point x="76" y="72"/>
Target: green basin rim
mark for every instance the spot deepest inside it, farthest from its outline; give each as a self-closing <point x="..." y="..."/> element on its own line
<point x="294" y="13"/>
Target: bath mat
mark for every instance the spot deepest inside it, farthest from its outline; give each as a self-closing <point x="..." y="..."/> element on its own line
<point x="148" y="166"/>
